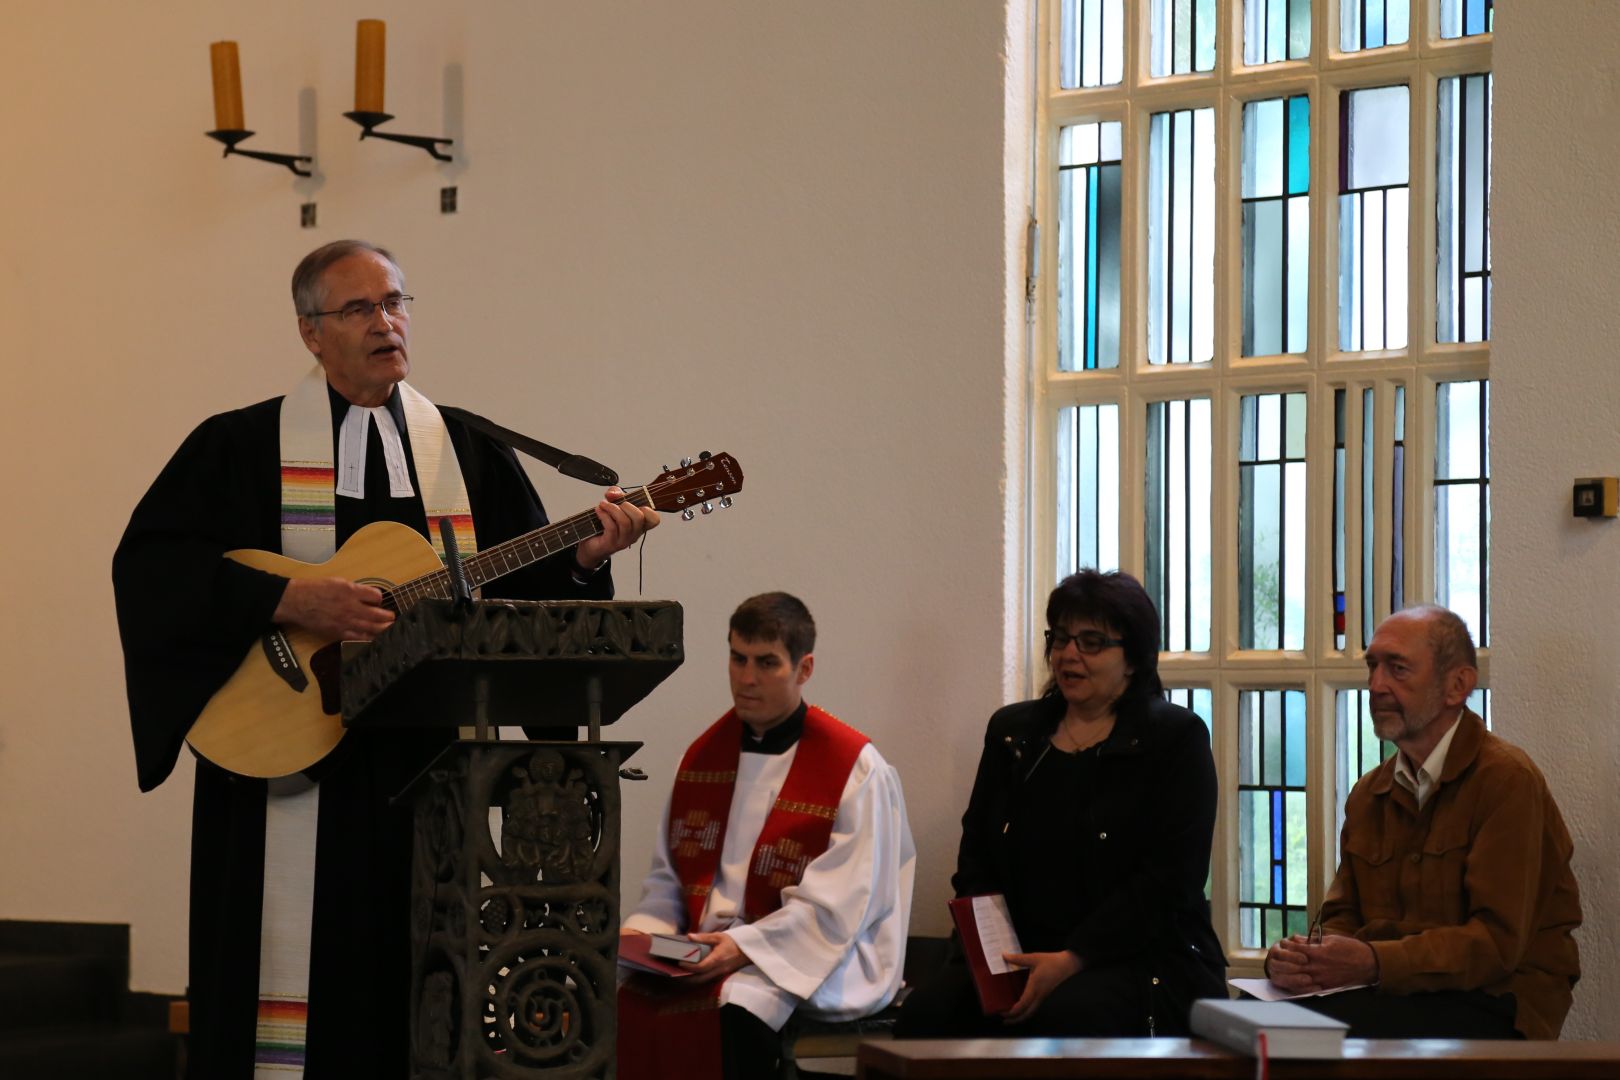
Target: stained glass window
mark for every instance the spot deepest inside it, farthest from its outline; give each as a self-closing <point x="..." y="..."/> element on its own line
<point x="1463" y="209"/>
<point x="1197" y="699"/>
<point x="1091" y="51"/>
<point x="1276" y="30"/>
<point x="1088" y="488"/>
<point x="1465" y="18"/>
<point x="1373" y="206"/>
<point x="1088" y="246"/>
<point x="1271" y="522"/>
<point x="1177" y="534"/>
<point x="1340" y="460"/>
<point x="1368" y="504"/>
<point x="1397" y="509"/>
<point x="1372" y="24"/>
<point x="1183" y="37"/>
<point x="1368" y="486"/>
<point x="1276" y="225"/>
<point x="1273" y="841"/>
<point x="1462" y="503"/>
<point x="1181" y="237"/>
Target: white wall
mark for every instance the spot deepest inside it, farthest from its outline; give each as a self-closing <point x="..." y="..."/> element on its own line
<point x="1555" y="580"/>
<point x="771" y="229"/>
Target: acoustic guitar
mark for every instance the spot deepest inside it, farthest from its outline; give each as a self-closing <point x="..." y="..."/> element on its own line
<point x="279" y="712"/>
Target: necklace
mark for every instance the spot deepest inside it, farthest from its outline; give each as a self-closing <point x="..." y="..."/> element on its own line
<point x="1075" y="745"/>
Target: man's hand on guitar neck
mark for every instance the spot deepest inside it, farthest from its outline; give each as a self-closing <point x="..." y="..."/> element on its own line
<point x="623" y="522"/>
<point x="334" y="609"/>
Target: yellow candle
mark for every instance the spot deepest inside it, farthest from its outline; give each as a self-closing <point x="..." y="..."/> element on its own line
<point x="370" y="55"/>
<point x="227" y="86"/>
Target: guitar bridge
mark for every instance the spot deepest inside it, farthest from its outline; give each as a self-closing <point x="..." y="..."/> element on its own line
<point x="279" y="652"/>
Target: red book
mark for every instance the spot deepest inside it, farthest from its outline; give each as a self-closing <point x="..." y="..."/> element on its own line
<point x="998" y="990"/>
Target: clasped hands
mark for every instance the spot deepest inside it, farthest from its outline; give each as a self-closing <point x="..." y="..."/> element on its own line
<point x="341" y="610"/>
<point x="1300" y="966"/>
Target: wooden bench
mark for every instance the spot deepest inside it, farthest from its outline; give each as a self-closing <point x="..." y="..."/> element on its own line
<point x="1160" y="1059"/>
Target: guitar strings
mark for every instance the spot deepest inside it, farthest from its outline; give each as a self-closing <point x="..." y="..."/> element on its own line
<point x="436" y="583"/>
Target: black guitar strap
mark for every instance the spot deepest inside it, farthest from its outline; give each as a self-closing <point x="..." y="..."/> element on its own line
<point x="575" y="465"/>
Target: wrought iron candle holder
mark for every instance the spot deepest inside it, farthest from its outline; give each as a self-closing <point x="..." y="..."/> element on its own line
<point x="370" y="120"/>
<point x="230" y="137"/>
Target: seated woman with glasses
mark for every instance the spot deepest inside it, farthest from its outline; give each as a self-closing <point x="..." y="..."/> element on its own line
<point x="1092" y="812"/>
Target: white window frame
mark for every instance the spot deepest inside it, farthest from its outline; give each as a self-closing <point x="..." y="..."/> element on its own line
<point x="1320" y="669"/>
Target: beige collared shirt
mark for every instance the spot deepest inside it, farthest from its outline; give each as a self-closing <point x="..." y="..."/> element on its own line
<point x="1422" y="783"/>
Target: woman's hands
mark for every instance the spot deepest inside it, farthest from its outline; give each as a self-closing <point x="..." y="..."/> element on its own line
<point x="1047" y="970"/>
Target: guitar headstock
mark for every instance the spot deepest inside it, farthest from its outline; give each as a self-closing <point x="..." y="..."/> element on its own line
<point x="709" y="481"/>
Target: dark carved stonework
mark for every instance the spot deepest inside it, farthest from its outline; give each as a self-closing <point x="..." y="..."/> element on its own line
<point x="515" y="942"/>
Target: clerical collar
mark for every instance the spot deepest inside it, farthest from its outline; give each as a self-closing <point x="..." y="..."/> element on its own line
<point x="351" y="424"/>
<point x="779" y="739"/>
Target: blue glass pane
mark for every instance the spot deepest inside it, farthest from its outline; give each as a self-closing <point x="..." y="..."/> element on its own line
<point x="1299" y="145"/>
<point x="1294" y="708"/>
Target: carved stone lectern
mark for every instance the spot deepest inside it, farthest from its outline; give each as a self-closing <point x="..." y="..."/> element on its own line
<point x="515" y="875"/>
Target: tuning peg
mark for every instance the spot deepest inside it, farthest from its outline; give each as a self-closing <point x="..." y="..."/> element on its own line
<point x="686" y="463"/>
<point x="663" y="468"/>
<point x="725" y="502"/>
<point x="708" y="508"/>
<point x="687" y="514"/>
<point x="705" y="456"/>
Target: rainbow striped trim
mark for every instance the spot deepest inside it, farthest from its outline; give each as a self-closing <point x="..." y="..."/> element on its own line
<point x="462" y="525"/>
<point x="279" y="1037"/>
<point x="307" y="500"/>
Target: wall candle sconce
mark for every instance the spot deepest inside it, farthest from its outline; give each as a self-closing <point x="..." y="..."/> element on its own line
<point x="370" y="52"/>
<point x="228" y="125"/>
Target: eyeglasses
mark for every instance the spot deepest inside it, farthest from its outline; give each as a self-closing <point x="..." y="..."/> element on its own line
<point x="358" y="312"/>
<point x="1089" y="642"/>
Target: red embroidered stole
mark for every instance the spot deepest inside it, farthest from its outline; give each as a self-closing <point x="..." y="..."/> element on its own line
<point x="797" y="829"/>
<point x="671" y="1031"/>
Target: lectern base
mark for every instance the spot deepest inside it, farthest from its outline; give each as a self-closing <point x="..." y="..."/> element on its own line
<point x="515" y="911"/>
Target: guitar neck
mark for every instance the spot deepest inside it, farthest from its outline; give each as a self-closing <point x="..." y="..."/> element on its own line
<point x="508" y="557"/>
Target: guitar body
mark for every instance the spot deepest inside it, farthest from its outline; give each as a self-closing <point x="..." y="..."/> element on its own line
<point x="258" y="724"/>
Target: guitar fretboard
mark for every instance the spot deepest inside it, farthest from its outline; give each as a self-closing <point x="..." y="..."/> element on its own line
<point x="507" y="557"/>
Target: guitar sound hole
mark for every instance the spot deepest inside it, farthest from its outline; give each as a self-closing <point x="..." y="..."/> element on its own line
<point x="326" y="665"/>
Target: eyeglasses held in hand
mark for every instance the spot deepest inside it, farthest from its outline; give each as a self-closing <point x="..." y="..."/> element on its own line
<point x="1089" y="642"/>
<point x="361" y="311"/>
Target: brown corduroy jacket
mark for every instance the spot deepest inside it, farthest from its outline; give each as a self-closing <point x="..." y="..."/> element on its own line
<point x="1472" y="892"/>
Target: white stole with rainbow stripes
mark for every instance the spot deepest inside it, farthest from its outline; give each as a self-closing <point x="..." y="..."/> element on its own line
<point x="309" y="533"/>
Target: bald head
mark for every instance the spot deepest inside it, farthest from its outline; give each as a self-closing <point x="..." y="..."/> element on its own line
<point x="1421" y="667"/>
<point x="1450" y="644"/>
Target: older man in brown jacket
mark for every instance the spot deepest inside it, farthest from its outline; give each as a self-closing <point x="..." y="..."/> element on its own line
<point x="1454" y="903"/>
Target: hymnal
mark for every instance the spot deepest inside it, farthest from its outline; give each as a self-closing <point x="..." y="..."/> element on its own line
<point x="635" y="952"/>
<point x="678" y="948"/>
<point x="986" y="930"/>
<point x="1291" y="1031"/>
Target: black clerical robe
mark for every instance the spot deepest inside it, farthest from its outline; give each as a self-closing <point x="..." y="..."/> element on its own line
<point x="187" y="616"/>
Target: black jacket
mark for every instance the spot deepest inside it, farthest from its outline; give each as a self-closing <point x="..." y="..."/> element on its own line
<point x="1153" y="814"/>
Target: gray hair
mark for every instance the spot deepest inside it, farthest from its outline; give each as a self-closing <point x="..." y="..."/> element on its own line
<point x="1449" y="640"/>
<point x="308" y="296"/>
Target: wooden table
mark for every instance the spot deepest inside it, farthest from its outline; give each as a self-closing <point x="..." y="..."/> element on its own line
<point x="1153" y="1059"/>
